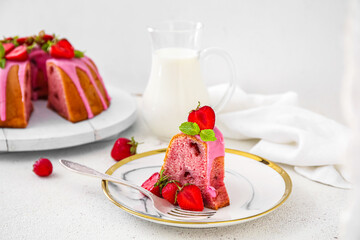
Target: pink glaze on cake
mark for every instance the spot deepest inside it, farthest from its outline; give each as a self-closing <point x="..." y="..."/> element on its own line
<point x="90" y="63"/>
<point x="188" y="159"/>
<point x="3" y="80"/>
<point x="214" y="149"/>
<point x="69" y="67"/>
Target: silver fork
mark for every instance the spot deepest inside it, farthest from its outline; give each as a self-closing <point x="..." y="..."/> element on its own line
<point x="161" y="205"/>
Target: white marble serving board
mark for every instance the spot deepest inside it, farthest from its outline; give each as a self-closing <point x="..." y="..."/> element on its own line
<point x="47" y="130"/>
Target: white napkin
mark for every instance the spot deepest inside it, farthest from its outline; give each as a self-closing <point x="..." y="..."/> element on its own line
<point x="288" y="134"/>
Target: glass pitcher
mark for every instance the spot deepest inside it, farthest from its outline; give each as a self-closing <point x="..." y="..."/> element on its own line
<point x="176" y="83"/>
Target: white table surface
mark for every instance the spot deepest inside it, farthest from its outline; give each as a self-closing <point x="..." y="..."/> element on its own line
<point x="70" y="206"/>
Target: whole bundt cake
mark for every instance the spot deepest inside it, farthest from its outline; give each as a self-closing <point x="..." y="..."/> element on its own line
<point x="44" y="67"/>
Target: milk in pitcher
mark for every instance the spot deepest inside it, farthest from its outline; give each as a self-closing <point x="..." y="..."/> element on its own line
<point x="175" y="87"/>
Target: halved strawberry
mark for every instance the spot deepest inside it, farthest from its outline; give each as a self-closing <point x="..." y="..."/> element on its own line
<point x="48" y="37"/>
<point x="189" y="198"/>
<point x="204" y="117"/>
<point x="8" y="47"/>
<point x="170" y="190"/>
<point x="17" y="54"/>
<point x="62" y="49"/>
<point x="156" y="183"/>
<point x="149" y="184"/>
<point x="21" y="40"/>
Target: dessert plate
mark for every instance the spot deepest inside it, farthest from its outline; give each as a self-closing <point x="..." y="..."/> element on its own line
<point x="47" y="130"/>
<point x="255" y="186"/>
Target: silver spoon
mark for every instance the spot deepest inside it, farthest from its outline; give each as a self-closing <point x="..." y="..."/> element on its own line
<point x="162" y="206"/>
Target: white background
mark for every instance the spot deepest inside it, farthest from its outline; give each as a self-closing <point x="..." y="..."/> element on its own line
<point x="277" y="45"/>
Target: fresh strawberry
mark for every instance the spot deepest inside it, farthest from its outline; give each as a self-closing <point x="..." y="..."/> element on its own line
<point x="123" y="148"/>
<point x="17" y="54"/>
<point x="155" y="183"/>
<point x="189" y="198"/>
<point x="21" y="41"/>
<point x="9" y="39"/>
<point x="43" y="167"/>
<point x="62" y="49"/>
<point x="204" y="117"/>
<point x="150" y="184"/>
<point x="8" y="47"/>
<point x="170" y="190"/>
<point x="47" y="37"/>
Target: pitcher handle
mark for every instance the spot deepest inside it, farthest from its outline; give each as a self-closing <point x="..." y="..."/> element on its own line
<point x="204" y="54"/>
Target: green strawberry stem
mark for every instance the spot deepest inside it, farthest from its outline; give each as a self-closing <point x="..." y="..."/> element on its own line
<point x="134" y="145"/>
<point x="163" y="180"/>
<point x="198" y="106"/>
<point x="29" y="48"/>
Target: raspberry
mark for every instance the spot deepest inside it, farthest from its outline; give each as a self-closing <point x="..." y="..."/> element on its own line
<point x="42" y="167"/>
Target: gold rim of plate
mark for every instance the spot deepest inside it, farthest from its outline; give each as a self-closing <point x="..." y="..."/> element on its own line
<point x="278" y="169"/>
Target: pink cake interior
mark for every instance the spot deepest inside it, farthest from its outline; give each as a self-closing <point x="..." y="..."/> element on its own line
<point x="27" y="94"/>
<point x="192" y="167"/>
<point x="190" y="160"/>
<point x="56" y="96"/>
<point x="39" y="78"/>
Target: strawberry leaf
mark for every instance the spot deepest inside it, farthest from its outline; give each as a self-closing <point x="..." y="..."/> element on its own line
<point x="14" y="41"/>
<point x="162" y="181"/>
<point x="2" y="51"/>
<point x="190" y="128"/>
<point x="29" y="48"/>
<point x="2" y="63"/>
<point x="207" y="135"/>
<point x="79" y="54"/>
<point x="134" y="145"/>
<point x="46" y="46"/>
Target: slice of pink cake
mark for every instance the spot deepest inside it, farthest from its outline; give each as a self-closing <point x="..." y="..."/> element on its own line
<point x="188" y="159"/>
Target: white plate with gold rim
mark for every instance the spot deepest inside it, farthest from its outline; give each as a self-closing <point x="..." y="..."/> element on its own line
<point x="255" y="186"/>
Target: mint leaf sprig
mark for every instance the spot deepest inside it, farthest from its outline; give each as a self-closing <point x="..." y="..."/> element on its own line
<point x="192" y="129"/>
<point x="78" y="54"/>
<point x="2" y="56"/>
<point x="2" y="51"/>
<point x="207" y="135"/>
